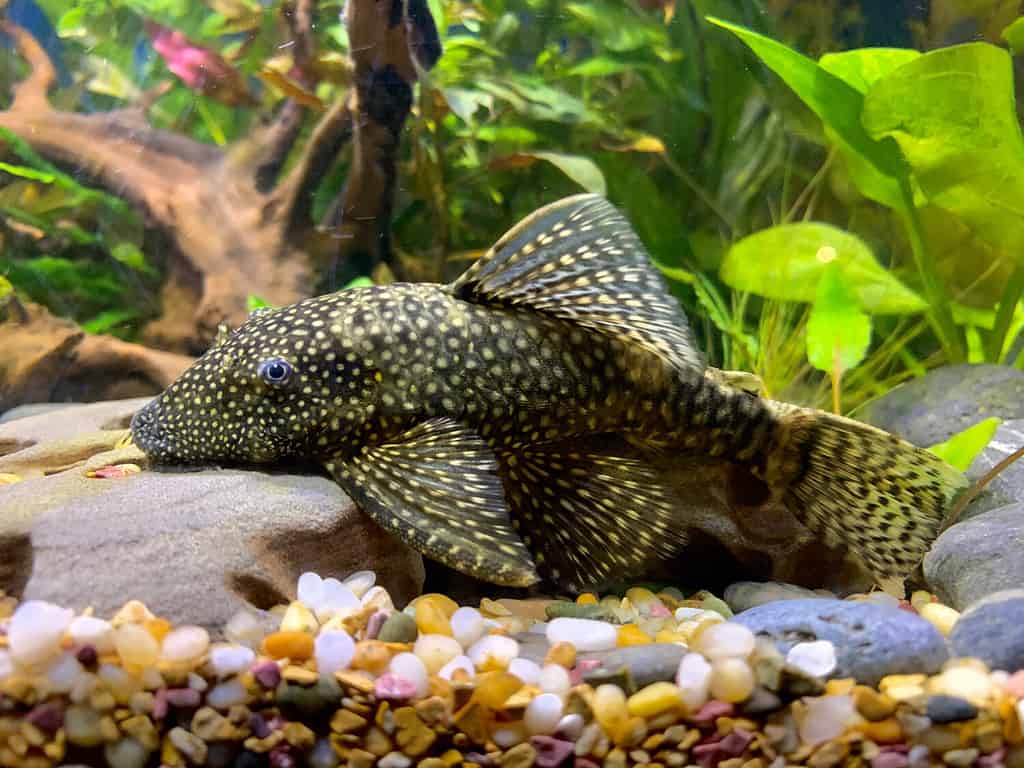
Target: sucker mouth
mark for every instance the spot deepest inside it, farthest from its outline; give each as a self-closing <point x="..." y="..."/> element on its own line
<point x="147" y="434"/>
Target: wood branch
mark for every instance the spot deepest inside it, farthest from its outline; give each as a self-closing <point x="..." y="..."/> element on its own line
<point x="51" y="359"/>
<point x="235" y="235"/>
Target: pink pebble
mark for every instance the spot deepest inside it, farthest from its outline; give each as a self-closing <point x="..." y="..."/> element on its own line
<point x="992" y="759"/>
<point x="389" y="686"/>
<point x="182" y="697"/>
<point x="551" y="752"/>
<point x="710" y="712"/>
<point x="48" y="717"/>
<point x="736" y="742"/>
<point x="1015" y="685"/>
<point x="582" y="667"/>
<point x="659" y="611"/>
<point x="374" y="624"/>
<point x="160" y="704"/>
<point x="890" y="760"/>
<point x="267" y="674"/>
<point x="583" y="762"/>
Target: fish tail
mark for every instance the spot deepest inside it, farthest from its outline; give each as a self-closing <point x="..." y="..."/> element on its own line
<point x="882" y="498"/>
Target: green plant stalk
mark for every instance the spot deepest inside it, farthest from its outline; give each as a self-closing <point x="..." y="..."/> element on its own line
<point x="939" y="313"/>
<point x="1004" y="316"/>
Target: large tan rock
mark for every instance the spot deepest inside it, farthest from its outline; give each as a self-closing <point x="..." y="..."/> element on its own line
<point x="194" y="546"/>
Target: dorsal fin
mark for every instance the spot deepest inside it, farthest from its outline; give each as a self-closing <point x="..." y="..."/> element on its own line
<point x="579" y="259"/>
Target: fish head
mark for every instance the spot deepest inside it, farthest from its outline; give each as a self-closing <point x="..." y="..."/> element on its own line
<point x="265" y="392"/>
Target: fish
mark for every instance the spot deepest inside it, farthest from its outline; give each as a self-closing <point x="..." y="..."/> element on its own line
<point x="504" y="424"/>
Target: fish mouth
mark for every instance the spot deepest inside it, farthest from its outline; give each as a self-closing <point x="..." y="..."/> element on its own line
<point x="149" y="435"/>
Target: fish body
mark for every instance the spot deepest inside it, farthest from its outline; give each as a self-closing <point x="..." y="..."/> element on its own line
<point x="470" y="419"/>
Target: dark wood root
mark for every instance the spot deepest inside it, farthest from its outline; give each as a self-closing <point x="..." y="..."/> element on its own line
<point x="237" y="228"/>
<point x="47" y="358"/>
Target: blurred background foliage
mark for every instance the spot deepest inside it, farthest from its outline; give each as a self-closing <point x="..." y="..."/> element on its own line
<point x="786" y="261"/>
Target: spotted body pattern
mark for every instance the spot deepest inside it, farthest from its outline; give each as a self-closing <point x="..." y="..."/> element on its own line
<point x="473" y="419"/>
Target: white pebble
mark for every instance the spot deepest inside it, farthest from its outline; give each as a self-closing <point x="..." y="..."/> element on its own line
<point x="336" y="600"/>
<point x="379" y="598"/>
<point x="817" y="658"/>
<point x="360" y="582"/>
<point x="394" y="760"/>
<point x="244" y="628"/>
<point x="184" y="644"/>
<point x="500" y="649"/>
<point x="90" y="630"/>
<point x="725" y="640"/>
<point x="333" y="650"/>
<point x="197" y="683"/>
<point x="36" y="630"/>
<point x="436" y="650"/>
<point x="694" y="680"/>
<point x="6" y="664"/>
<point x="826" y="718"/>
<point x="526" y="670"/>
<point x="685" y="614"/>
<point x="570" y="727"/>
<point x="229" y="659"/>
<point x="509" y="736"/>
<point x="311" y="589"/>
<point x="467" y="625"/>
<point x="459" y="662"/>
<point x="543" y="714"/>
<point x="538" y="628"/>
<point x="585" y="634"/>
<point x="409" y="667"/>
<point x="554" y="678"/>
<point x="227" y="694"/>
<point x="64" y="674"/>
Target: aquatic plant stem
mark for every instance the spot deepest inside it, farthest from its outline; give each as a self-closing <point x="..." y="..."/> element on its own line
<point x="1004" y="316"/>
<point x="972" y="493"/>
<point x="939" y="313"/>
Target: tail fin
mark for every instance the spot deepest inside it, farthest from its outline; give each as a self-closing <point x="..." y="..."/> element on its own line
<point x="855" y="485"/>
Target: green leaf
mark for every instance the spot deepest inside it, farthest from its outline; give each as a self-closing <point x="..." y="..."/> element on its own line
<point x="838" y="332"/>
<point x="963" y="448"/>
<point x="359" y="282"/>
<point x="831" y="98"/>
<point x="601" y="66"/>
<point x="1014" y="35"/>
<point x="783" y="263"/>
<point x="130" y="255"/>
<point x="860" y="68"/>
<point x="27" y="173"/>
<point x="104" y="321"/>
<point x="582" y="170"/>
<point x="952" y="113"/>
<point x="71" y="23"/>
<point x="252" y="303"/>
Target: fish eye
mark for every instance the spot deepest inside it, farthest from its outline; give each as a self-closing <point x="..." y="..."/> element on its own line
<point x="275" y="371"/>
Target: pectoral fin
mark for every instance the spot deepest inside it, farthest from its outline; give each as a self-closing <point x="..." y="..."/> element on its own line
<point x="436" y="487"/>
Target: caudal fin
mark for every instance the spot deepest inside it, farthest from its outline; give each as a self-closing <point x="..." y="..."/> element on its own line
<point x="855" y="485"/>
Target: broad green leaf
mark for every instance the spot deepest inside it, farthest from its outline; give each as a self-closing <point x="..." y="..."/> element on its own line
<point x="963" y="448"/>
<point x="838" y="332"/>
<point x="601" y="66"/>
<point x="861" y="67"/>
<point x="831" y="98"/>
<point x="582" y="170"/>
<point x="783" y="263"/>
<point x="952" y="113"/>
<point x="70" y="24"/>
<point x="130" y="255"/>
<point x="1014" y="35"/>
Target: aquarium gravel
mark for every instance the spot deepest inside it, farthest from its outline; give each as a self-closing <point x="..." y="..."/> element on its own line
<point x="344" y="678"/>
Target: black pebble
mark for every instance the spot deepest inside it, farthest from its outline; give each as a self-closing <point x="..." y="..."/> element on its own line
<point x="249" y="759"/>
<point x="950" y="709"/>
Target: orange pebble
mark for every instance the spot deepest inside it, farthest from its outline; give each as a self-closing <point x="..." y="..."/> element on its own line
<point x="372" y="656"/>
<point x="587" y="598"/>
<point x="563" y="654"/>
<point x="886" y="731"/>
<point x="631" y="634"/>
<point x="297" y="646"/>
<point x="432" y="618"/>
<point x="158" y="628"/>
<point x="494" y="688"/>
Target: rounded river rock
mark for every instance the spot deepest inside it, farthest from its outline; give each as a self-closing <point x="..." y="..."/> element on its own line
<point x="871" y="640"/>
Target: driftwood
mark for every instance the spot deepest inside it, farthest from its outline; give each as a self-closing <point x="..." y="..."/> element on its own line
<point x="49" y="359"/>
<point x="239" y="225"/>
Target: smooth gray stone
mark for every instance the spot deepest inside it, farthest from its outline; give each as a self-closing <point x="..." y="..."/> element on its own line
<point x="993" y="631"/>
<point x="948" y="400"/>
<point x="977" y="557"/>
<point x="871" y="640"/>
